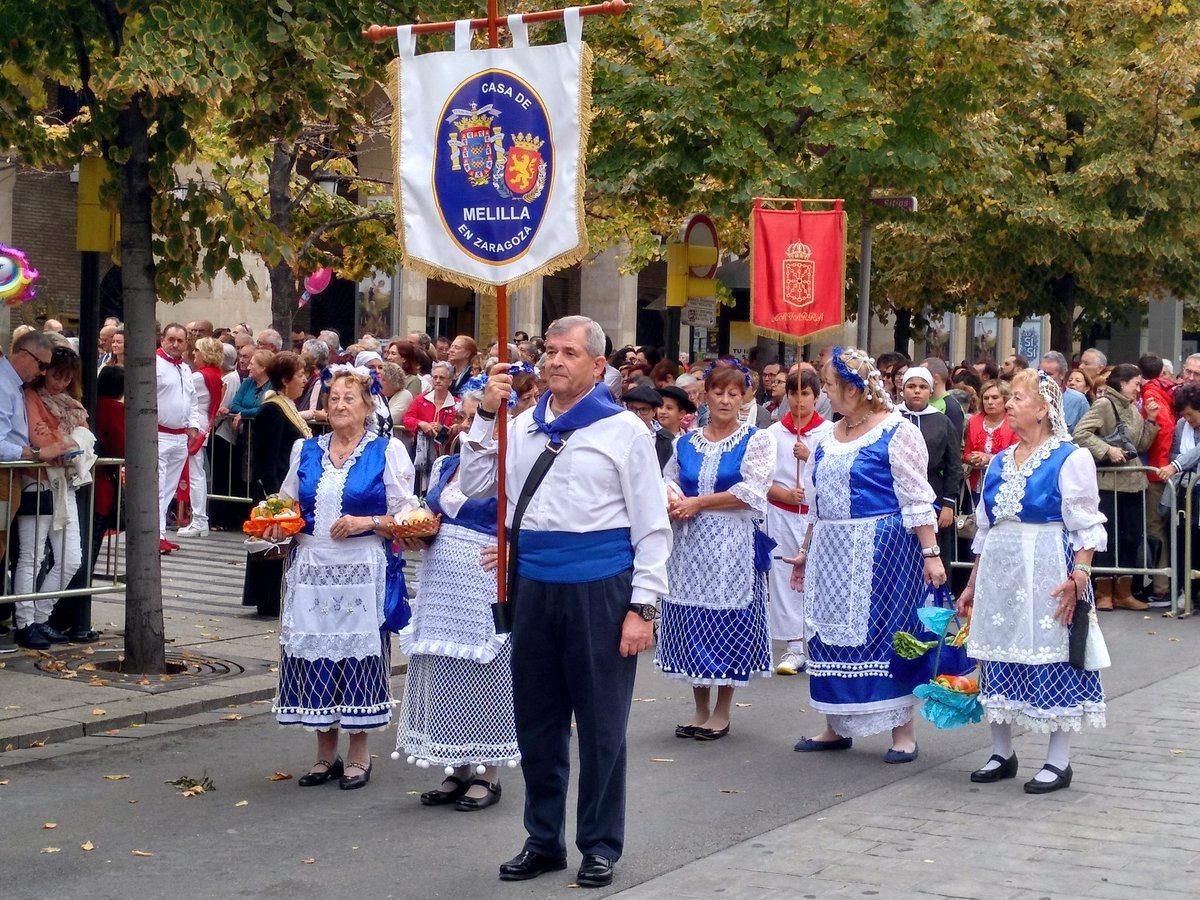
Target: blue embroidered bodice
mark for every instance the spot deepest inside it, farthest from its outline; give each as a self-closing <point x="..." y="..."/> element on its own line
<point x="856" y="484"/>
<point x="1023" y="495"/>
<point x="729" y="468"/>
<point x="478" y="515"/>
<point x="364" y="493"/>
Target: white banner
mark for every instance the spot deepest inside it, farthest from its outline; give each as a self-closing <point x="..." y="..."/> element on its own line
<point x="489" y="148"/>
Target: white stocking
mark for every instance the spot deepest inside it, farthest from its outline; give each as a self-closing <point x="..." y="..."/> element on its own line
<point x="1001" y="745"/>
<point x="1058" y="754"/>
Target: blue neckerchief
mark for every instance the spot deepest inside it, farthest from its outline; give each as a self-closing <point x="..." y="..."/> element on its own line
<point x="596" y="405"/>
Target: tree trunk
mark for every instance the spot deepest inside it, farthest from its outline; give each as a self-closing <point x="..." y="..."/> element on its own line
<point x="145" y="647"/>
<point x="283" y="279"/>
<point x="1062" y="315"/>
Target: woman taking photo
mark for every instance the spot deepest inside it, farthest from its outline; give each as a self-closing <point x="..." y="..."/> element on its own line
<point x="873" y="552"/>
<point x="714" y="620"/>
<point x="988" y="433"/>
<point x="1114" y="432"/>
<point x="1039" y="523"/>
<point x="276" y="429"/>
<point x="458" y="709"/>
<point x="336" y="660"/>
<point x="430" y="418"/>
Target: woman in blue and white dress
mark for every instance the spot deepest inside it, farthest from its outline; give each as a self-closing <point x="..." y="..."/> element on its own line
<point x="1039" y="524"/>
<point x="457" y="711"/>
<point x="868" y="558"/>
<point x="714" y="622"/>
<point x="336" y="660"/>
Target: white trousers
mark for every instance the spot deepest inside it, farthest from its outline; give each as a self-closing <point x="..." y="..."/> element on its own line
<point x="786" y="609"/>
<point x="198" y="489"/>
<point x="172" y="455"/>
<point x="68" y="556"/>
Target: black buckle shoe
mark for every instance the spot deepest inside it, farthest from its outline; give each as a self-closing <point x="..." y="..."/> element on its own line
<point x="527" y="864"/>
<point x="1062" y="780"/>
<point x="31" y="638"/>
<point x="52" y="634"/>
<point x="352" y="782"/>
<point x="595" y="871"/>
<point x="473" y="804"/>
<point x="442" y="798"/>
<point x="332" y="770"/>
<point x="83" y="636"/>
<point x="1006" y="769"/>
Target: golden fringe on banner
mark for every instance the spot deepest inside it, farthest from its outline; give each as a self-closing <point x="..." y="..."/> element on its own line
<point x="785" y="336"/>
<point x="563" y="260"/>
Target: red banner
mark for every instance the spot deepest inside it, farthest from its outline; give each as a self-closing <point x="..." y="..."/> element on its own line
<point x="797" y="270"/>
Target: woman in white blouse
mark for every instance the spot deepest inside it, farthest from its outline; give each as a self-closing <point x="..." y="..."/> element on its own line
<point x="1039" y="523"/>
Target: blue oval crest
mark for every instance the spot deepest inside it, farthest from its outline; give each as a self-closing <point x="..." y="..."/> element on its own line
<point x="493" y="166"/>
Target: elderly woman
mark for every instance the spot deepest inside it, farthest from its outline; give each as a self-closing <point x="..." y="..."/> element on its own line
<point x="873" y="550"/>
<point x="714" y="620"/>
<point x="460" y="355"/>
<point x="431" y="418"/>
<point x="278" y="426"/>
<point x="457" y="711"/>
<point x="1039" y="523"/>
<point x="336" y="660"/>
<point x="988" y="432"/>
<point x="1114" y="432"/>
<point x="253" y="389"/>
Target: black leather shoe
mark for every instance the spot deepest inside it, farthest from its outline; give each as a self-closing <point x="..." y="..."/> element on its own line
<point x="83" y="635"/>
<point x="686" y="731"/>
<point x="527" y="864"/>
<point x="710" y="734"/>
<point x="595" y="871"/>
<point x="31" y="638"/>
<point x="1006" y="769"/>
<point x="1062" y="780"/>
<point x="352" y="782"/>
<point x="332" y="770"/>
<point x="442" y="798"/>
<point x="473" y="804"/>
<point x="52" y="634"/>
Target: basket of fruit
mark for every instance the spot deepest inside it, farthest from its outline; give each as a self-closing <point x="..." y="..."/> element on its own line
<point x="416" y="523"/>
<point x="274" y="510"/>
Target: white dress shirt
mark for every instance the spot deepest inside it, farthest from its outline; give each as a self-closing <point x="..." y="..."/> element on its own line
<point x="177" y="406"/>
<point x="14" y="424"/>
<point x="607" y="476"/>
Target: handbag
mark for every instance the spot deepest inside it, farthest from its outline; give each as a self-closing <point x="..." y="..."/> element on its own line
<point x="763" y="545"/>
<point x="1086" y="647"/>
<point x="396" y="611"/>
<point x="1119" y="438"/>
<point x="966" y="526"/>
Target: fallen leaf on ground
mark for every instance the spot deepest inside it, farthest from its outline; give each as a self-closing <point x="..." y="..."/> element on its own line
<point x="232" y="717"/>
<point x="99" y="712"/>
<point x="12" y="707"/>
<point x="309" y="861"/>
<point x="644" y="699"/>
<point x="88" y="651"/>
<point x="49" y="825"/>
<point x="113" y="731"/>
<point x="192" y="787"/>
<point x="143" y="681"/>
<point x="32" y="744"/>
<point x="743" y="705"/>
<point x="96" y="681"/>
<point x="1173" y="640"/>
<point x="1151" y="632"/>
<point x="115" y="777"/>
<point x="660" y="759"/>
<point x="242" y="803"/>
<point x="70" y="673"/>
<point x="3" y="782"/>
<point x="131" y="801"/>
<point x="1177" y="752"/>
<point x="280" y="776"/>
<point x="729" y="791"/>
<point x="164" y="677"/>
<point x="51" y="850"/>
<point x="87" y="846"/>
<point x="839" y="795"/>
<point x="142" y="853"/>
<point x="928" y="860"/>
<point x="8" y="747"/>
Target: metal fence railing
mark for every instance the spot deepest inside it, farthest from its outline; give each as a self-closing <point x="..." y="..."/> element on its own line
<point x="1184" y="527"/>
<point x="25" y="494"/>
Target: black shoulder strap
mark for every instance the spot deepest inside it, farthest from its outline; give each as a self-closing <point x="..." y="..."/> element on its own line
<point x="532" y="482"/>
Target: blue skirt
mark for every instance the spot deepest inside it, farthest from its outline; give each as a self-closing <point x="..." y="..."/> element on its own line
<point x="715" y="647"/>
<point x="351" y="694"/>
<point x="1043" y="697"/>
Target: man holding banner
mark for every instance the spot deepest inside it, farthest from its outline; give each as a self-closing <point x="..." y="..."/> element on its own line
<point x="590" y="540"/>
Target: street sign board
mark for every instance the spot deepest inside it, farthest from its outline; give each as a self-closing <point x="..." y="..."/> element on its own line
<point x="701" y="232"/>
<point x="701" y="312"/>
<point x="906" y="203"/>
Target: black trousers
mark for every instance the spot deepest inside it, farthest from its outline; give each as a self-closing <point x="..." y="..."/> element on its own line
<point x="1126" y="514"/>
<point x="566" y="660"/>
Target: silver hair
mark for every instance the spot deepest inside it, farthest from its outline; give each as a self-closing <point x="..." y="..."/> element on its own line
<point x="393" y="374"/>
<point x="318" y="350"/>
<point x="593" y="333"/>
<point x="1168" y="367"/>
<point x="330" y="338"/>
<point x="442" y="364"/>
<point x="229" y="357"/>
<point x="1099" y="353"/>
<point x="1060" y="361"/>
<point x="477" y="396"/>
<point x="369" y="342"/>
<point x="272" y="337"/>
<point x="1195" y="357"/>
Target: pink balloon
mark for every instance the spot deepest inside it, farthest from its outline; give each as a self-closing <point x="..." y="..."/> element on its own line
<point x="318" y="281"/>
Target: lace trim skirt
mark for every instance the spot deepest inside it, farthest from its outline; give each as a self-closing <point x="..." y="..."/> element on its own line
<point x="1043" y="697"/>
<point x="352" y="694"/>
<point x="458" y="712"/>
<point x="867" y="682"/>
<point x="715" y="647"/>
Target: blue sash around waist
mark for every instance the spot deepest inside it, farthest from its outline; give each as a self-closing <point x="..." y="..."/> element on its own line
<point x="569" y="557"/>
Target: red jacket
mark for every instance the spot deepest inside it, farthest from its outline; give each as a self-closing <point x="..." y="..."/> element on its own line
<point x="1162" y="392"/>
<point x="976" y="442"/>
<point x="110" y="441"/>
<point x="423" y="410"/>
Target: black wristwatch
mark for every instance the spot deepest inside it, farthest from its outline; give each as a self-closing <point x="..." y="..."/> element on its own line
<point x="647" y="611"/>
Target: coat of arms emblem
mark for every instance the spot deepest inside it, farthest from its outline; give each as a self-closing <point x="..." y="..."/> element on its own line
<point x="799" y="275"/>
<point x="524" y="169"/>
<point x="476" y="143"/>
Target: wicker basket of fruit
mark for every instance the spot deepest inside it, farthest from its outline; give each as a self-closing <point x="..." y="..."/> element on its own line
<point x="274" y="511"/>
<point x="416" y="523"/>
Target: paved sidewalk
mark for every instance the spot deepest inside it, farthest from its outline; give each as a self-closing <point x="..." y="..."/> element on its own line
<point x="1127" y="828"/>
<point x="232" y="655"/>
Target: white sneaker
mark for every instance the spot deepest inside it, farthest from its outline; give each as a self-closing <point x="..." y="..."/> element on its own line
<point x="192" y="531"/>
<point x="791" y="663"/>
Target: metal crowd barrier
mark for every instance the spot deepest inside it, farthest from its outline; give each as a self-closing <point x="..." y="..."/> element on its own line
<point x="1189" y="527"/>
<point x="11" y="478"/>
<point x="227" y="466"/>
<point x="962" y="558"/>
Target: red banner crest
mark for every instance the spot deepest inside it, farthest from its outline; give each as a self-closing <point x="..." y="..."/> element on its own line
<point x="798" y="270"/>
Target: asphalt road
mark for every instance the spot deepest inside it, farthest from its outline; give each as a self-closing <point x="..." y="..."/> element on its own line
<point x="686" y="799"/>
